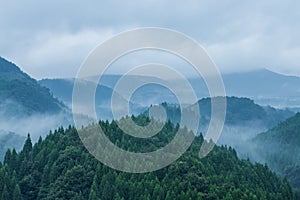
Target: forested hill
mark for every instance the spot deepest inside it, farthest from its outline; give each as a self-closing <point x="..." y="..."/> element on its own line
<point x="59" y="167"/>
<point x="280" y="147"/>
<point x="239" y="111"/>
<point x="20" y="95"/>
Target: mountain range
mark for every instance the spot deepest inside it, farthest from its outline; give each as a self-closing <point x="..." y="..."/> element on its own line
<point x="263" y="86"/>
<point x="262" y="132"/>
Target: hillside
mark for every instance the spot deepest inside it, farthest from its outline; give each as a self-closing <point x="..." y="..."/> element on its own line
<point x="20" y="95"/>
<point x="264" y="86"/>
<point x="63" y="90"/>
<point x="25" y="107"/>
<point x="59" y="167"/>
<point x="243" y="111"/>
<point x="239" y="112"/>
<point x="280" y="148"/>
<point x="240" y="84"/>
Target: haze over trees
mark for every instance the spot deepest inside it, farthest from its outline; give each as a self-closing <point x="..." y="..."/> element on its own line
<point x="59" y="167"/>
<point x="280" y="148"/>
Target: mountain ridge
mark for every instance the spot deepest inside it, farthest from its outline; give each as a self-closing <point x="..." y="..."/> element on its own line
<point x="21" y="95"/>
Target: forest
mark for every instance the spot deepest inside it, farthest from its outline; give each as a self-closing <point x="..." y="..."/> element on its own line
<point x="59" y="167"/>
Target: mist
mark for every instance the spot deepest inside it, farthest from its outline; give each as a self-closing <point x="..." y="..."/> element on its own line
<point x="36" y="125"/>
<point x="241" y="138"/>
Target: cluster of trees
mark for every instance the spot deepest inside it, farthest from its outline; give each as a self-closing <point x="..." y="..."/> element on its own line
<point x="59" y="167"/>
<point x="280" y="148"/>
<point x="239" y="111"/>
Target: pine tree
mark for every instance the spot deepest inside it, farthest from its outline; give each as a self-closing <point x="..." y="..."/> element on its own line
<point x="26" y="149"/>
<point x="28" y="144"/>
<point x="7" y="157"/>
<point x="79" y="196"/>
<point x="5" y="194"/>
<point x="17" y="193"/>
<point x="94" y="193"/>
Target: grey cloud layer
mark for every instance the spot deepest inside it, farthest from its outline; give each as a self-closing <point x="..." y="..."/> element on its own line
<point x="51" y="39"/>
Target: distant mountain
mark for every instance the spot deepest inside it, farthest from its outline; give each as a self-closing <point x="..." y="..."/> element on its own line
<point x="280" y="148"/>
<point x="146" y="95"/>
<point x="20" y="95"/>
<point x="239" y="112"/>
<point x="271" y="84"/>
<point x="243" y="111"/>
<point x="263" y="86"/>
<point x="25" y="107"/>
<point x="63" y="90"/>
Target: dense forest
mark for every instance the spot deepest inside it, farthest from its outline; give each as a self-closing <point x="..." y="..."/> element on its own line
<point x="280" y="148"/>
<point x="239" y="112"/>
<point x="59" y="167"/>
<point x="21" y="95"/>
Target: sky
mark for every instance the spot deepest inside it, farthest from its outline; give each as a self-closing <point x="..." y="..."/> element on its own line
<point x="52" y="38"/>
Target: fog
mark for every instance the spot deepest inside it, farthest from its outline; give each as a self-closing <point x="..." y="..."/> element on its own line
<point x="240" y="138"/>
<point x="36" y="125"/>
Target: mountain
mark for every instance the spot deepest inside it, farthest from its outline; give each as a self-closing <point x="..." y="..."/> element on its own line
<point x="146" y="95"/>
<point x="244" y="111"/>
<point x="264" y="86"/>
<point x="244" y="120"/>
<point x="239" y="112"/>
<point x="25" y="107"/>
<point x="63" y="90"/>
<point x="59" y="167"/>
<point x="20" y="95"/>
<point x="280" y="148"/>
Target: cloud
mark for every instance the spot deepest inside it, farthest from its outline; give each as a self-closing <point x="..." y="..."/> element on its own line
<point x="37" y="125"/>
<point x="51" y="39"/>
<point x="62" y="52"/>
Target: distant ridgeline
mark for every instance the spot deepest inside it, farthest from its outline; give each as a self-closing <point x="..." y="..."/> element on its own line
<point x="21" y="95"/>
<point x="240" y="111"/>
<point x="280" y="148"/>
<point x="59" y="167"/>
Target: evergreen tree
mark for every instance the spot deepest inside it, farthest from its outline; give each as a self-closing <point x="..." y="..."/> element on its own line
<point x="17" y="193"/>
<point x="5" y="194"/>
<point x="59" y="167"/>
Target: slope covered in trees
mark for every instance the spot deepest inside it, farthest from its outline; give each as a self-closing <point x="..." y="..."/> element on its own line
<point x="239" y="112"/>
<point x="280" y="148"/>
<point x="22" y="95"/>
<point x="59" y="167"/>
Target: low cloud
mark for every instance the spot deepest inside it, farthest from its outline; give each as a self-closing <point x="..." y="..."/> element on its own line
<point x="37" y="125"/>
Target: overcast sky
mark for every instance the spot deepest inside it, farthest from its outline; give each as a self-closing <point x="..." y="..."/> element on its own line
<point x="52" y="38"/>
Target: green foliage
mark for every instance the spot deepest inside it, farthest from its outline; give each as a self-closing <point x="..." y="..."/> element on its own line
<point x="21" y="94"/>
<point x="59" y="167"/>
<point x="280" y="148"/>
<point x="8" y="184"/>
<point x="239" y="111"/>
